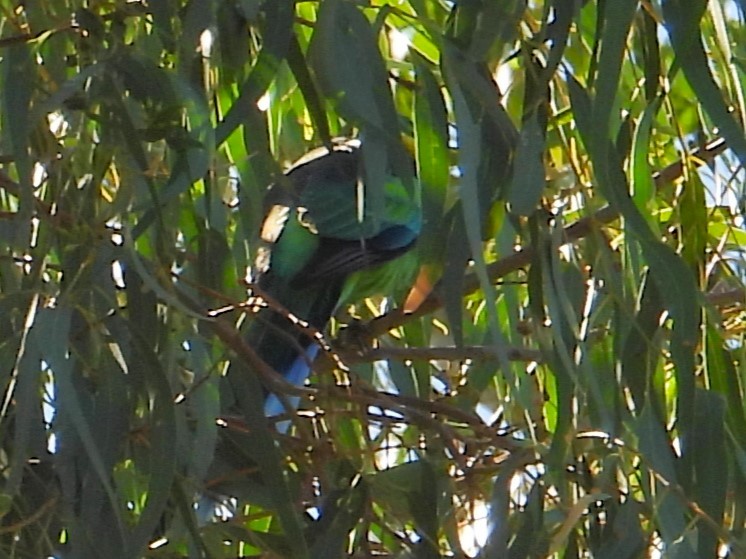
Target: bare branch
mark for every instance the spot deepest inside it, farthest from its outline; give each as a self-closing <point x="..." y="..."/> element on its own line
<point x="481" y="353"/>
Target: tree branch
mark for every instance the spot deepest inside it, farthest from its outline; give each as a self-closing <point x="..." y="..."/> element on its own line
<point x="481" y="353"/>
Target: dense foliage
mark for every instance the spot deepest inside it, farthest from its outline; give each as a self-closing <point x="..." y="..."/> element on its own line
<point x="563" y="378"/>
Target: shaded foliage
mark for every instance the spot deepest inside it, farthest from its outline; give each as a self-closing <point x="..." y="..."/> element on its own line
<point x="564" y="378"/>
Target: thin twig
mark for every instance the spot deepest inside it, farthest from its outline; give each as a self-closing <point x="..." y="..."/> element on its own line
<point x="479" y="353"/>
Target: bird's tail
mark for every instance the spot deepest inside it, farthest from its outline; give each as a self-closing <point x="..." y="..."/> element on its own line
<point x="283" y="337"/>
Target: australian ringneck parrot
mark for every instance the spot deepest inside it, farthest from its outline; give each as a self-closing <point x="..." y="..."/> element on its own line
<point x="324" y="246"/>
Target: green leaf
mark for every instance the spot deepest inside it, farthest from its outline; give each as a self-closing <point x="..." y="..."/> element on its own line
<point x="314" y="105"/>
<point x="161" y="467"/>
<point x="339" y="516"/>
<point x="639" y="344"/>
<point x="682" y="18"/>
<point x="277" y="32"/>
<point x="433" y="160"/>
<point x="678" y="288"/>
<point x="265" y="452"/>
<point x="6" y="502"/>
<point x="724" y="380"/>
<point x="708" y="450"/>
<point x="641" y="183"/>
<point x="617" y="21"/>
<point x="527" y="185"/>
<point x="670" y="513"/>
<point x="469" y="159"/>
<point x="694" y="236"/>
<point x="627" y="539"/>
<point x="52" y="330"/>
<point x="356" y="81"/>
<point x="17" y="118"/>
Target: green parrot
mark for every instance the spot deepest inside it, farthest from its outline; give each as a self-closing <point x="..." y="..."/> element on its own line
<point x="323" y="247"/>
